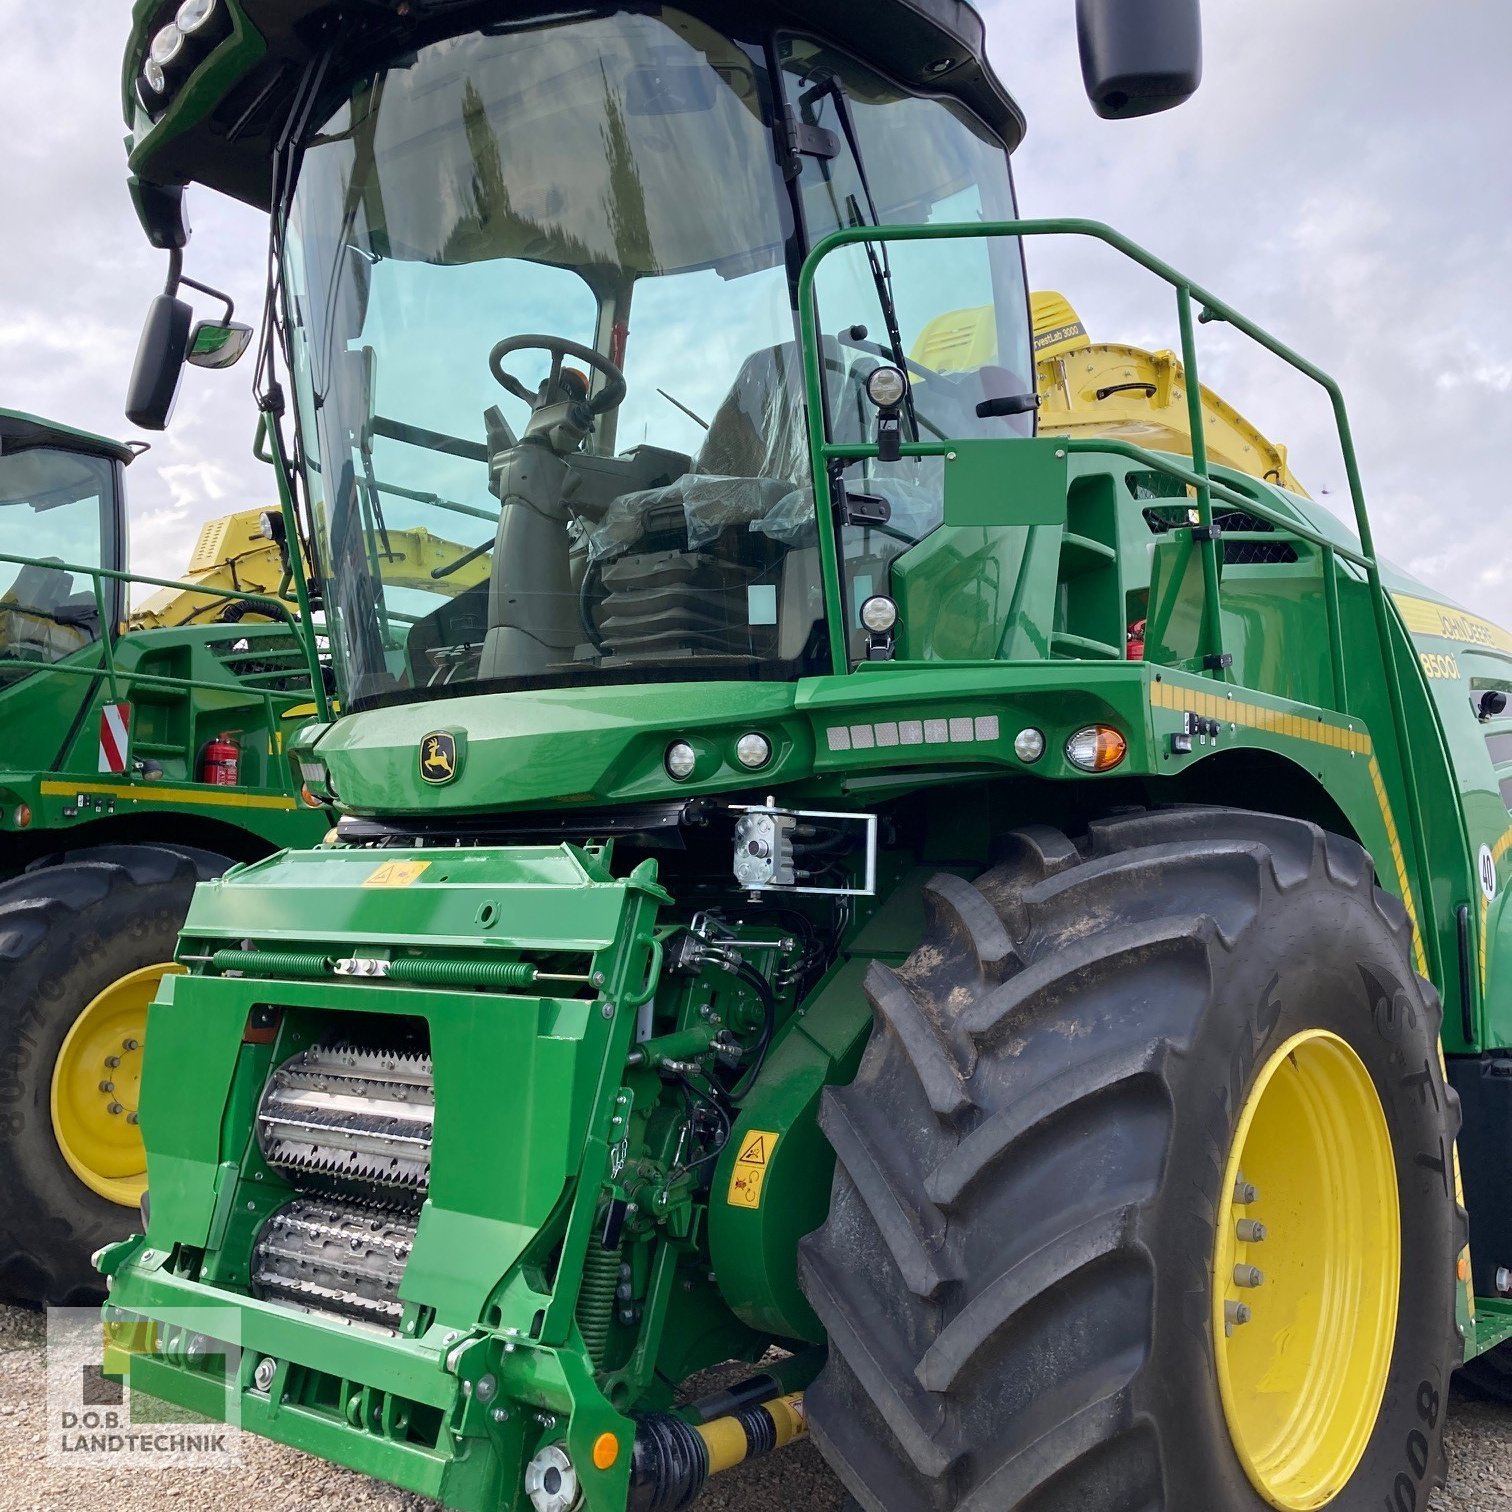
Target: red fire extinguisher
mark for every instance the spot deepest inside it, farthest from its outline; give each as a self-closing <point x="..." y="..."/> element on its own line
<point x="221" y="762"/>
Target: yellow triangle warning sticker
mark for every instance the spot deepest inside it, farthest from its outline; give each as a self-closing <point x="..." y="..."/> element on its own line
<point x="751" y="1165"/>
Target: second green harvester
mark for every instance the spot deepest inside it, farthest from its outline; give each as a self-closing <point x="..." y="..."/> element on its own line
<point x="140" y="753"/>
<point x="984" y="913"/>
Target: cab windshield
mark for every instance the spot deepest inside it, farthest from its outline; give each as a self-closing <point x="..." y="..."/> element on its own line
<point x="539" y="283"/>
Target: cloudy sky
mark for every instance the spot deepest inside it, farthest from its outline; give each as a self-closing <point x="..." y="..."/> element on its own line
<point x="1344" y="176"/>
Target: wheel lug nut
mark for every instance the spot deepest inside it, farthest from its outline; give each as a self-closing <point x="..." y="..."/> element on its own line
<point x="112" y="1061"/>
<point x="1236" y="1314"/>
<point x="130" y="1044"/>
<point x="131" y="1118"/>
<point x="1251" y="1232"/>
<point x="107" y="1086"/>
<point x="1248" y="1275"/>
<point x="1244" y="1193"/>
<point x="115" y="1107"/>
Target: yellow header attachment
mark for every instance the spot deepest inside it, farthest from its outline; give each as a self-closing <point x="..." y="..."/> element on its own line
<point x="235" y="552"/>
<point x="1101" y="389"/>
<point x="1092" y="388"/>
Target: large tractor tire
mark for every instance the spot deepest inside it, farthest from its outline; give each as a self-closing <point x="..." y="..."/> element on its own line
<point x="83" y="945"/>
<point x="1145" y="1198"/>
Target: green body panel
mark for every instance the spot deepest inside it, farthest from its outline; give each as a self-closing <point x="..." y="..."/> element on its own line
<point x="532" y="1081"/>
<point x="185" y="687"/>
<point x="752" y="1249"/>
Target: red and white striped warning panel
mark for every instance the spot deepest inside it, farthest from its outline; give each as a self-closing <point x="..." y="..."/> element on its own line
<point x="115" y="730"/>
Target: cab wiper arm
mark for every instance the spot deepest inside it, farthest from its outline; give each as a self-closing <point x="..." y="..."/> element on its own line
<point x="876" y="253"/>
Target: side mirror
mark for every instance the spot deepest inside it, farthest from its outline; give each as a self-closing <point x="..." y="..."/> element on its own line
<point x="159" y="362"/>
<point x="219" y="344"/>
<point x="1139" y="56"/>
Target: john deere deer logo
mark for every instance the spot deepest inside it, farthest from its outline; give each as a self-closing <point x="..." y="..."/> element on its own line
<point x="438" y="757"/>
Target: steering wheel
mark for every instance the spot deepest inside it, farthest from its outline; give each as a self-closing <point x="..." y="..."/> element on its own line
<point x="610" y="397"/>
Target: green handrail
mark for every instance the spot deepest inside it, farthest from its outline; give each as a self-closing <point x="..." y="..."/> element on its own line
<point x="116" y="675"/>
<point x="153" y="680"/>
<point x="1198" y="476"/>
<point x="274" y="457"/>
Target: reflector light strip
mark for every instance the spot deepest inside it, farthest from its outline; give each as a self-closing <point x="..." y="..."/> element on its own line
<point x="884" y="735"/>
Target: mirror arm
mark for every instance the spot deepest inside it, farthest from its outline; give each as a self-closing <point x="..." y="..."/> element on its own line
<point x="175" y="270"/>
<point x="225" y="299"/>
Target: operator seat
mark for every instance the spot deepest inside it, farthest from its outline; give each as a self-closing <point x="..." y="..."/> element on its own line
<point x="42" y="618"/>
<point x="758" y="437"/>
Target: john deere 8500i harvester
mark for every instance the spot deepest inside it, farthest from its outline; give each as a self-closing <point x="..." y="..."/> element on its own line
<point x="783" y="905"/>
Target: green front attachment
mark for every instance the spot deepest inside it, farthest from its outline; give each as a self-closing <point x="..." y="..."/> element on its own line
<point x="484" y="1352"/>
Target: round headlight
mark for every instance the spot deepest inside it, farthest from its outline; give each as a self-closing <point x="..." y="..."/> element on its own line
<point x="193" y="14"/>
<point x="1097" y="748"/>
<point x="152" y="76"/>
<point x="887" y="387"/>
<point x="681" y="760"/>
<point x="879" y="614"/>
<point x="167" y="45"/>
<point x="754" y="751"/>
<point x="1029" y="745"/>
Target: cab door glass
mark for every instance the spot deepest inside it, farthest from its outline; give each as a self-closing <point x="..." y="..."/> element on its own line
<point x="56" y="508"/>
<point x="953" y="313"/>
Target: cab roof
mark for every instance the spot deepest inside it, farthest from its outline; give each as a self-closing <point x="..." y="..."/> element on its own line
<point x="20" y="431"/>
<point x="223" y="119"/>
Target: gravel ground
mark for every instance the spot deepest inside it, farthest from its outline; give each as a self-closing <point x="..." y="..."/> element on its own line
<point x="273" y="1479"/>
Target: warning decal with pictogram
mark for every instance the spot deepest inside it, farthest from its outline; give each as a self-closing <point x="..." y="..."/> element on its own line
<point x="751" y="1166"/>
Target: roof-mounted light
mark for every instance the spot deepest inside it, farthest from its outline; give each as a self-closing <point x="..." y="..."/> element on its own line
<point x="167" y="45"/>
<point x="194" y="14"/>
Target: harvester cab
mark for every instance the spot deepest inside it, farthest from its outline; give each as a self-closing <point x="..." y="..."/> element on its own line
<point x="774" y="903"/>
<point x="61" y="501"/>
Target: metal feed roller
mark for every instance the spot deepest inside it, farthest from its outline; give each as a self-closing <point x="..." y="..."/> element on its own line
<point x="352" y="1121"/>
<point x="342" y="1260"/>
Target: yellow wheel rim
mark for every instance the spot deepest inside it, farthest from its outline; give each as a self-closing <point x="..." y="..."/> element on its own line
<point x="95" y="1085"/>
<point x="1306" y="1272"/>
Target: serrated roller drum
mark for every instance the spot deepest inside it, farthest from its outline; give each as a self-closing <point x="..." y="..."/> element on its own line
<point x="324" y="1257"/>
<point x="352" y="1122"/>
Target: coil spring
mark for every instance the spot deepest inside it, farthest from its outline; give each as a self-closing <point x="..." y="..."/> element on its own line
<point x="274" y="963"/>
<point x="463" y="973"/>
<point x="595" y="1308"/>
<point x="287" y="963"/>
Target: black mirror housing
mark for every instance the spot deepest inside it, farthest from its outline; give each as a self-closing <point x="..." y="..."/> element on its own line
<point x="160" y="208"/>
<point x="159" y="363"/>
<point x="1139" y="57"/>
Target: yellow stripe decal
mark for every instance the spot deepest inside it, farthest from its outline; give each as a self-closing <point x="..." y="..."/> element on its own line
<point x="1425" y="617"/>
<point x="153" y="793"/>
<point x="1394" y="840"/>
<point x="1183" y="700"/>
<point x="1317" y="731"/>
